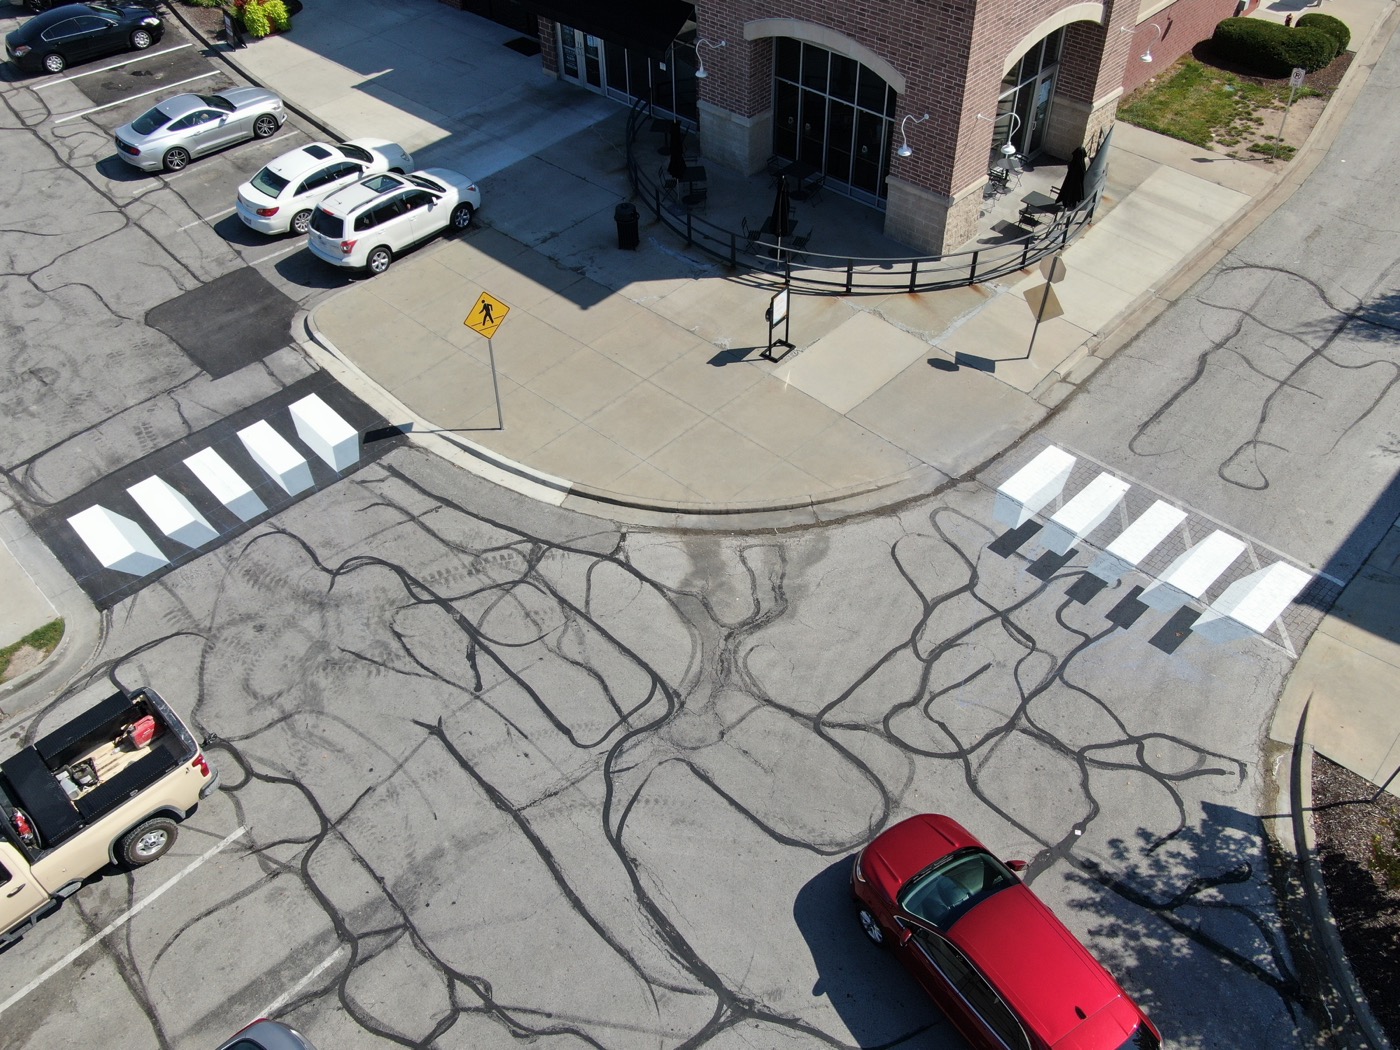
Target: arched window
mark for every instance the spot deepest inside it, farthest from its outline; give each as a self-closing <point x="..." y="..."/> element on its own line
<point x="835" y="114"/>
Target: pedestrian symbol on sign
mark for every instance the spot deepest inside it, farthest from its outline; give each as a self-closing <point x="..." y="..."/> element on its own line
<point x="486" y="316"/>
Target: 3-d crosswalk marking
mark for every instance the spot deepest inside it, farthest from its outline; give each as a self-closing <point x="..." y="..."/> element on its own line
<point x="1137" y="541"/>
<point x="117" y="542"/>
<point x="1253" y="603"/>
<point x="271" y="451"/>
<point x="1026" y="493"/>
<point x="172" y="513"/>
<point x="225" y="483"/>
<point x="1193" y="571"/>
<point x="1084" y="513"/>
<point x="325" y="433"/>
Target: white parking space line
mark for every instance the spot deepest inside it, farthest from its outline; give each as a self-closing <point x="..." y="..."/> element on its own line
<point x="115" y="65"/>
<point x="119" y="921"/>
<point x="209" y="218"/>
<point x="133" y="98"/>
<point x="276" y="255"/>
<point x="282" y="1000"/>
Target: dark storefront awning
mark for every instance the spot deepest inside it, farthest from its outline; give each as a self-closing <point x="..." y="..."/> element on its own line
<point x="645" y="25"/>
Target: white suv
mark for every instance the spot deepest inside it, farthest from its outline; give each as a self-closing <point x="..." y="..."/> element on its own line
<point x="281" y="197"/>
<point x="363" y="226"/>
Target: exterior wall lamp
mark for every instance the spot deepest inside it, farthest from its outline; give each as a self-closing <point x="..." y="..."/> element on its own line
<point x="702" y="72"/>
<point x="1146" y="56"/>
<point x="906" y="150"/>
<point x="1007" y="149"/>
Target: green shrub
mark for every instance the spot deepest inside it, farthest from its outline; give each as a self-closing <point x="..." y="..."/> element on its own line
<point x="1333" y="27"/>
<point x="255" y="20"/>
<point x="1272" y="48"/>
<point x="1310" y="48"/>
<point x="205" y="3"/>
<point x="277" y="13"/>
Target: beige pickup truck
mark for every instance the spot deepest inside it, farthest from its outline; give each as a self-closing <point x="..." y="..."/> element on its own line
<point x="107" y="787"/>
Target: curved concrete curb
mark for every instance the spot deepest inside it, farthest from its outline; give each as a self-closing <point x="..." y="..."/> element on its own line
<point x="1346" y="1012"/>
<point x="83" y="627"/>
<point x="518" y="477"/>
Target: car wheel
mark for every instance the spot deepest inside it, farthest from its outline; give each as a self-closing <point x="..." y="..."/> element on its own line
<point x="462" y="215"/>
<point x="177" y="158"/>
<point x="379" y="260"/>
<point x="264" y="126"/>
<point x="301" y="221"/>
<point x="872" y="928"/>
<point x="149" y="841"/>
<point x="55" y="63"/>
<point x="140" y="40"/>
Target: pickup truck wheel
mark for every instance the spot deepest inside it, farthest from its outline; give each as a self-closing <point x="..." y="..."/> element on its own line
<point x="149" y="841"/>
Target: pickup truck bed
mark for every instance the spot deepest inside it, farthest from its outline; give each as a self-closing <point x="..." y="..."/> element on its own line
<point x="123" y="770"/>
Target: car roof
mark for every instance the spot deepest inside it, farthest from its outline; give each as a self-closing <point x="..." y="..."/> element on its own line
<point x="1040" y="968"/>
<point x="52" y="16"/>
<point x="313" y="155"/>
<point x="343" y="202"/>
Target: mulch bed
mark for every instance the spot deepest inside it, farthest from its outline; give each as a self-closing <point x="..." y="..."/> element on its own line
<point x="1324" y="80"/>
<point x="1366" y="911"/>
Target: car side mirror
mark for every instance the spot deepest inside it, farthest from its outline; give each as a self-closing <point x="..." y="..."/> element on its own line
<point x="1017" y="865"/>
<point x="905" y="936"/>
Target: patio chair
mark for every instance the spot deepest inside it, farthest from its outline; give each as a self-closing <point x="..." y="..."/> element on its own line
<point x="799" y="243"/>
<point x="750" y="237"/>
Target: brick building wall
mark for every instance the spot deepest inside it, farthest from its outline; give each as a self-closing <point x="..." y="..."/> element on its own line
<point x="1184" y="24"/>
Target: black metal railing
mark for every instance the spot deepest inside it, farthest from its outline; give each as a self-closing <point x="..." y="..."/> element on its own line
<point x="819" y="272"/>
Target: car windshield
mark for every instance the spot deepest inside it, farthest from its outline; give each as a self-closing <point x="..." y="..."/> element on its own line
<point x="150" y="121"/>
<point x="269" y="182"/>
<point x="218" y="102"/>
<point x="427" y="184"/>
<point x="1142" y="1039"/>
<point x="944" y="893"/>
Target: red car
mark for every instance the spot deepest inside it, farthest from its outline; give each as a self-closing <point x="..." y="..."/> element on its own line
<point x="992" y="955"/>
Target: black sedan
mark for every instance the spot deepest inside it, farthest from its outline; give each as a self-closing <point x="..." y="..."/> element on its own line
<point x="62" y="35"/>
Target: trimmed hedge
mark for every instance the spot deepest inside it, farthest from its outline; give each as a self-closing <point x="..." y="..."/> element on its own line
<point x="1272" y="48"/>
<point x="1333" y="27"/>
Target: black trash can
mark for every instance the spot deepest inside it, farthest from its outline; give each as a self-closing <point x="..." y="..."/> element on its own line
<point x="625" y="215"/>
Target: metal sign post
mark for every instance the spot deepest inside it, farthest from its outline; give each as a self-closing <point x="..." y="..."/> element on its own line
<point x="1053" y="270"/>
<point x="1295" y="81"/>
<point x="485" y="317"/>
<point x="776" y="313"/>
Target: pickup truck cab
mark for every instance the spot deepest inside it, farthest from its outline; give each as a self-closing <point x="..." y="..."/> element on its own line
<point x="108" y="786"/>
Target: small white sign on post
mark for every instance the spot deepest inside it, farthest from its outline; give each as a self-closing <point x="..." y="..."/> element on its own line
<point x="1295" y="79"/>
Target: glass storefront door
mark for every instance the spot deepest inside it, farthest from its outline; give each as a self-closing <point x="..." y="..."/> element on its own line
<point x="629" y="75"/>
<point x="1026" y="92"/>
<point x="580" y="57"/>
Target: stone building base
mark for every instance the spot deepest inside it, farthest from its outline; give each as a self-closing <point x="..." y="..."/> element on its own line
<point x="1074" y="123"/>
<point x="741" y="143"/>
<point x="930" y="222"/>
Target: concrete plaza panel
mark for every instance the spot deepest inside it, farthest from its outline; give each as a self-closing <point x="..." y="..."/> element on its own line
<point x="585" y="382"/>
<point x="850" y="363"/>
<point x="932" y="313"/>
<point x="778" y="416"/>
<point x="703" y="385"/>
<point x="650" y="343"/>
<point x="526" y="346"/>
<point x="586" y="457"/>
<point x="453" y="394"/>
<point x="952" y="420"/>
<point x="1000" y="334"/>
<point x="647" y="419"/>
<point x="714" y="460"/>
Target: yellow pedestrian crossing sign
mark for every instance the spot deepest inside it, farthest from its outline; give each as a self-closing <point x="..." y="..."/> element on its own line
<point x="487" y="315"/>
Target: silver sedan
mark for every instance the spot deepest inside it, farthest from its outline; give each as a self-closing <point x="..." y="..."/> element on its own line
<point x="172" y="133"/>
